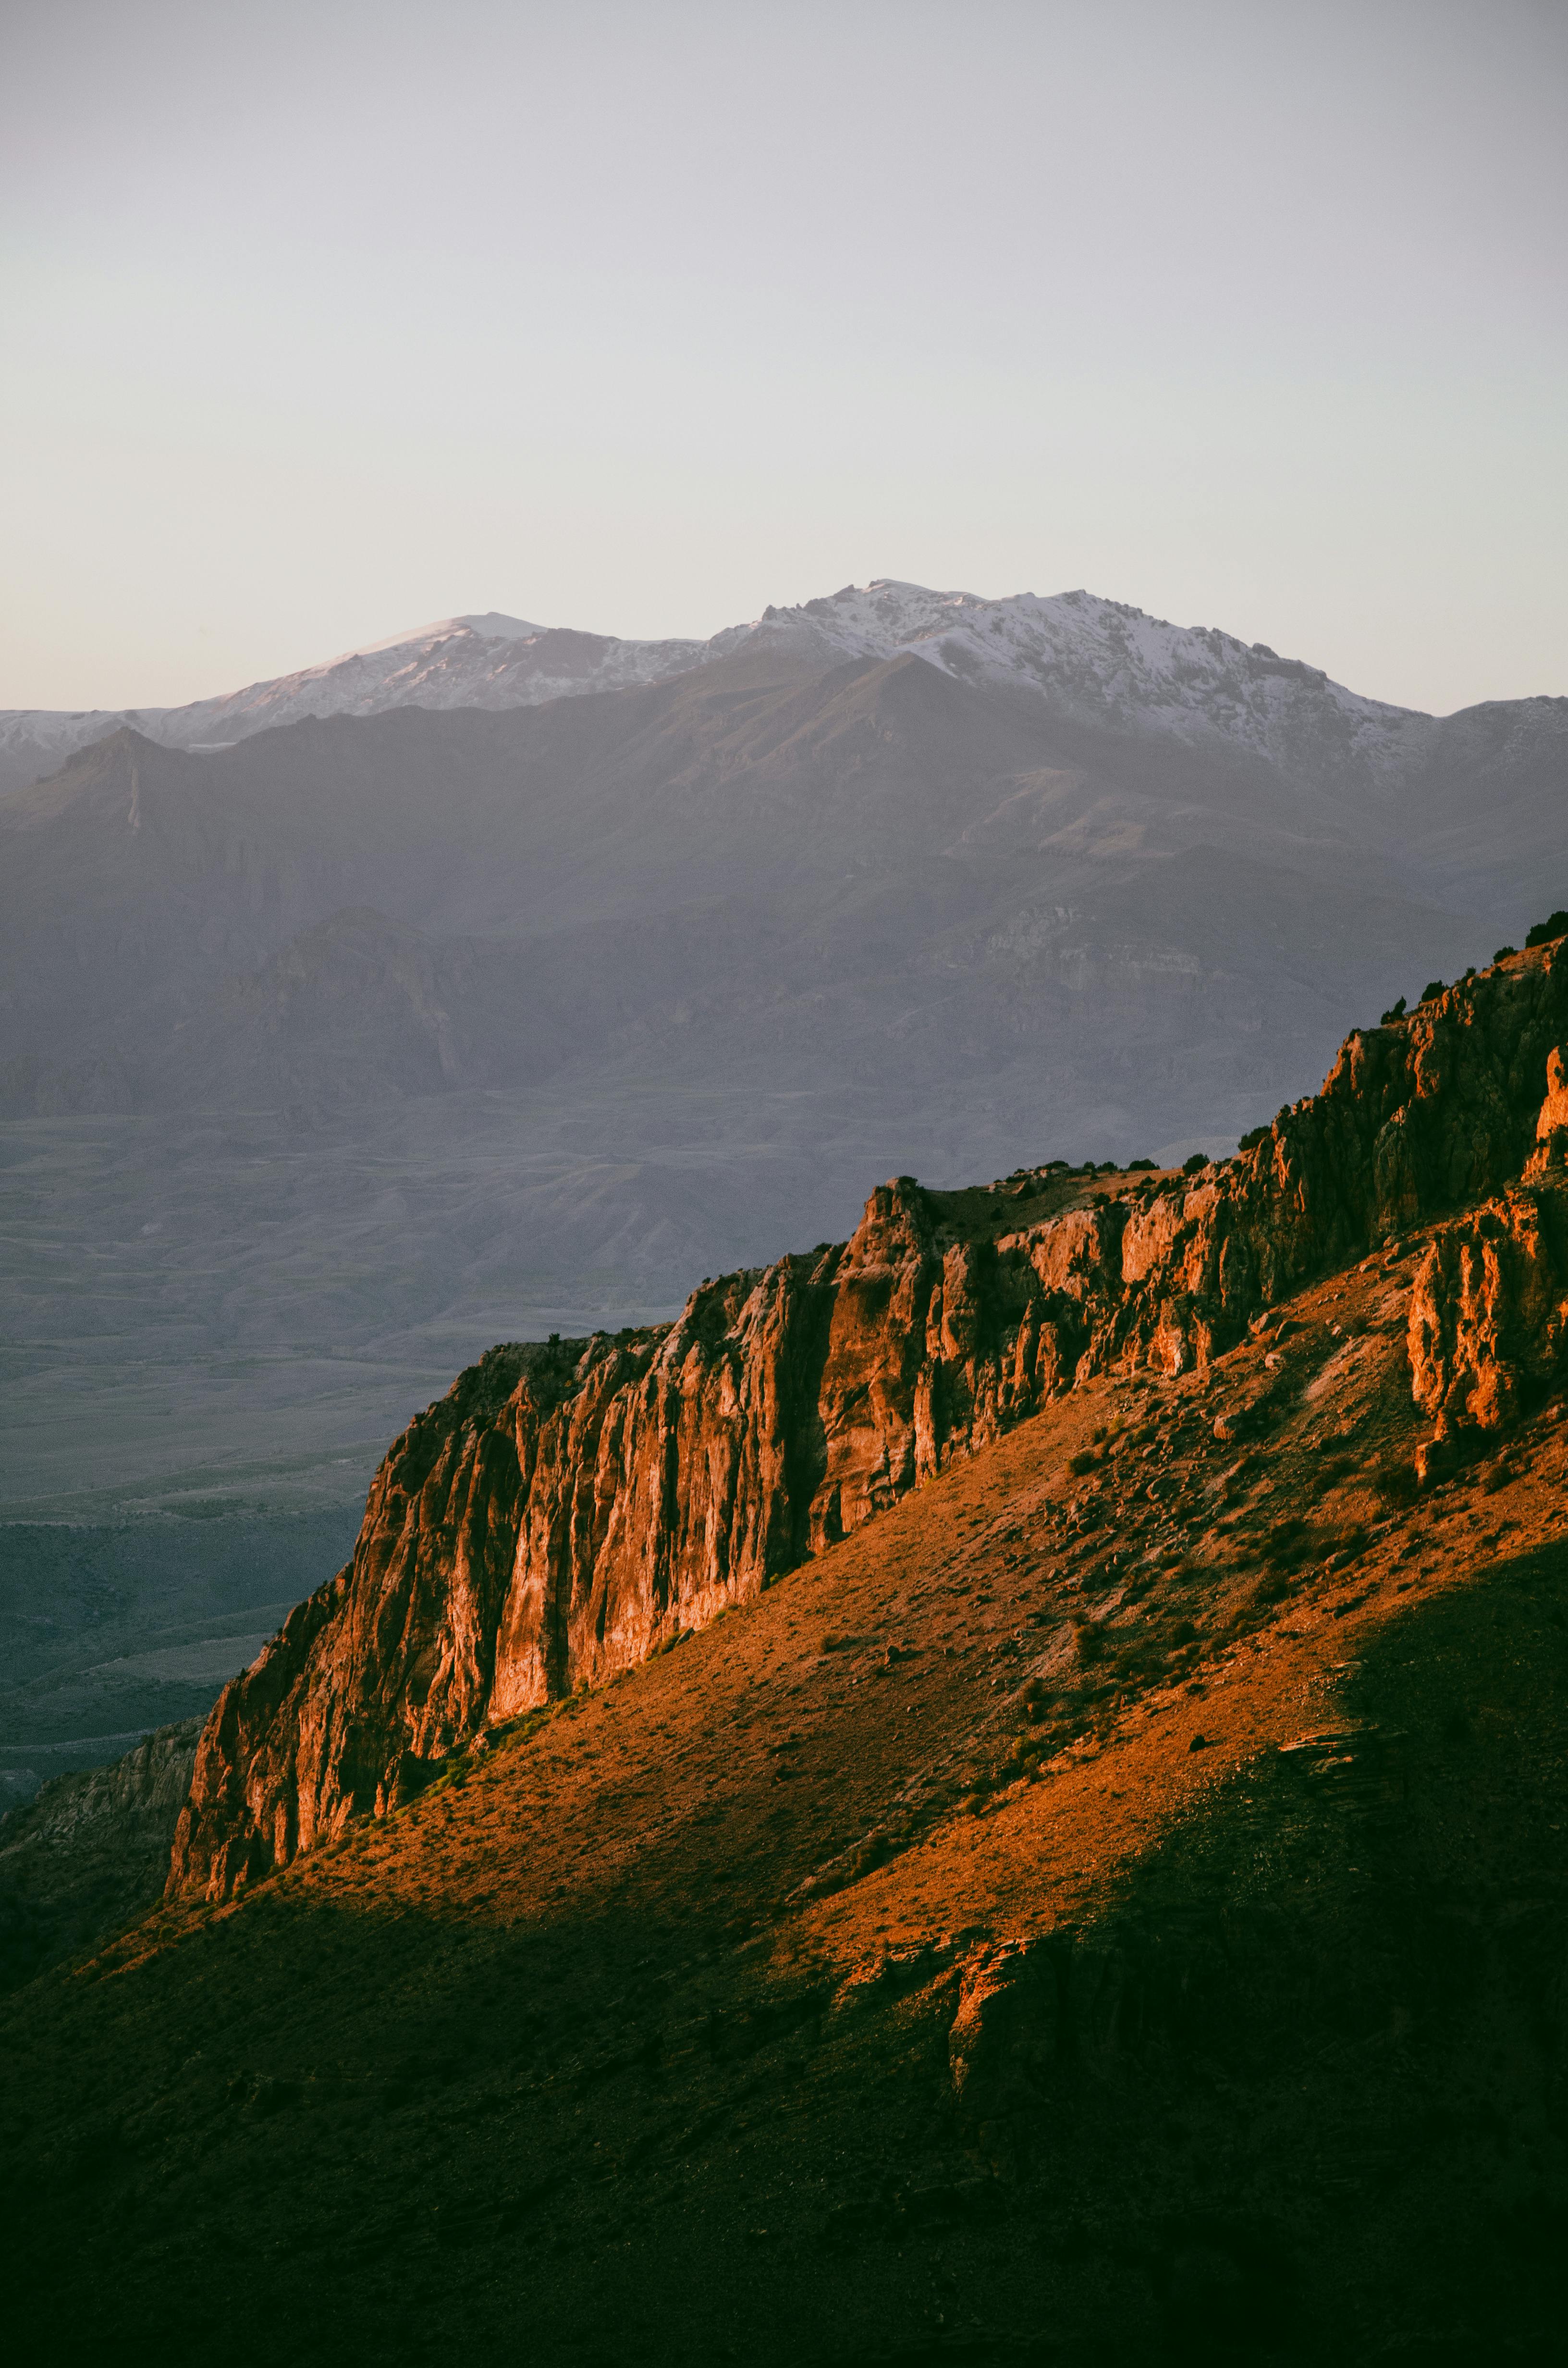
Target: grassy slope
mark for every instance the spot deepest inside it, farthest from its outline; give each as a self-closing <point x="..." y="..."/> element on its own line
<point x="563" y="2059"/>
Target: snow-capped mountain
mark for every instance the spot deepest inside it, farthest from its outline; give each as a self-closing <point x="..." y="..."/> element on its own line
<point x="475" y="661"/>
<point x="1096" y="660"/>
<point x="36" y="741"/>
<point x="1103" y="662"/>
<point x="482" y="660"/>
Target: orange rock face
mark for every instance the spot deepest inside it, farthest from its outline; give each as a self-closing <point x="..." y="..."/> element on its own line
<point x="1553" y="1116"/>
<point x="569" y="1508"/>
<point x="1489" y="1312"/>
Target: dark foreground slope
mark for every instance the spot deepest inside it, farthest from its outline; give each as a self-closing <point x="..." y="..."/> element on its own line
<point x="1093" y="1914"/>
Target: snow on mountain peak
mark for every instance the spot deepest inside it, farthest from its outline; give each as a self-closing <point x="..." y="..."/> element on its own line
<point x="484" y="659"/>
<point x="490" y="624"/>
<point x="1091" y="659"/>
<point x="1100" y="661"/>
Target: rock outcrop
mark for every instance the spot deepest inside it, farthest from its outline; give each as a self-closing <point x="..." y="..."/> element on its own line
<point x="1489" y="1316"/>
<point x="570" y="1506"/>
<point x="1488" y="1323"/>
<point x="90" y="1851"/>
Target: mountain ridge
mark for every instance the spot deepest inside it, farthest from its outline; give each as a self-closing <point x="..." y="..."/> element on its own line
<point x="1099" y="658"/>
<point x="874" y="815"/>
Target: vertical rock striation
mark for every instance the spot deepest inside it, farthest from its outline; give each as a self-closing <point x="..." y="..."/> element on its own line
<point x="570" y="1507"/>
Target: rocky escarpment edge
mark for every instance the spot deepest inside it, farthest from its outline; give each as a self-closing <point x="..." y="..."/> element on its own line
<point x="570" y="1506"/>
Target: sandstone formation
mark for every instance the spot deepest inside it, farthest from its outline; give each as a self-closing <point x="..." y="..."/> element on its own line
<point x="570" y="1507"/>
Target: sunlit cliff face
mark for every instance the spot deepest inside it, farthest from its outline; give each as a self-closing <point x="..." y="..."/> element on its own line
<point x="570" y="1509"/>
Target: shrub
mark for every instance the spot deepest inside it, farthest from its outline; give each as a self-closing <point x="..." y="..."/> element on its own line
<point x="1396" y="1012"/>
<point x="1545" y="932"/>
<point x="1432" y="990"/>
<point x="1200" y="1159"/>
<point x="1085" y="1460"/>
<point x="1253" y="1136"/>
<point x="1503" y="952"/>
<point x="1287" y="1541"/>
<point x="1395" y="1481"/>
<point x="1136" y="1167"/>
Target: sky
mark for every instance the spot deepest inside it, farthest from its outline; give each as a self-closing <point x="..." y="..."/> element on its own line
<point x="321" y="321"/>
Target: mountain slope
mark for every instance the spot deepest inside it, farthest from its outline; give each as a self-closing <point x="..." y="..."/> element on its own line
<point x="1101" y="662"/>
<point x="1010" y="1937"/>
<point x="488" y="660"/>
<point x="83" y="1858"/>
<point x="571" y="1508"/>
<point x="876" y="818"/>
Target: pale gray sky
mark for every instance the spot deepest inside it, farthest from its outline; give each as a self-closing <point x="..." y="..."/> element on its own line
<point x="323" y="319"/>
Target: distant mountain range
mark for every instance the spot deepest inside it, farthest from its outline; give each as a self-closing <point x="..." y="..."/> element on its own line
<point x="1097" y="661"/>
<point x="634" y="961"/>
<point x="945" y="826"/>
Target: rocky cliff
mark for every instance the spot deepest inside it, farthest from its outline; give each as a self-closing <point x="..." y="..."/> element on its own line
<point x="1489" y="1311"/>
<point x="570" y="1507"/>
<point x="90" y="1851"/>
